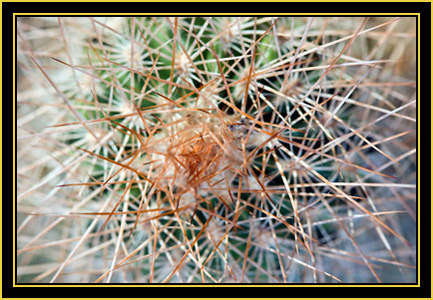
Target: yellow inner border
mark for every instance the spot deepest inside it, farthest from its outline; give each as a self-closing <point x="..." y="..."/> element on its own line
<point x="216" y="14"/>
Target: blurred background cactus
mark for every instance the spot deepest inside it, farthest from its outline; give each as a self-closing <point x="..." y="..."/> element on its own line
<point x="216" y="149"/>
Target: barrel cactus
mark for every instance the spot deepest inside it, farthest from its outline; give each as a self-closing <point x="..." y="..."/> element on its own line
<point x="216" y="150"/>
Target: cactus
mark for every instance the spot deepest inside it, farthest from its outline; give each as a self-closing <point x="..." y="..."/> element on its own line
<point x="216" y="150"/>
